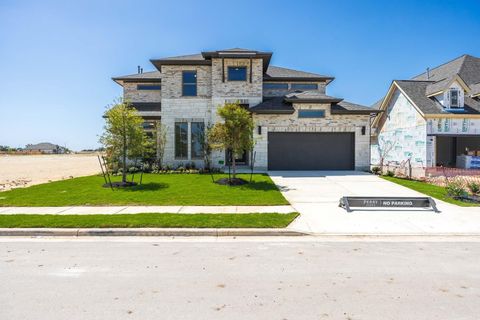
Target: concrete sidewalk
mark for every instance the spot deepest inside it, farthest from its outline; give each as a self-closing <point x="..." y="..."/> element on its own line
<point x="146" y="209"/>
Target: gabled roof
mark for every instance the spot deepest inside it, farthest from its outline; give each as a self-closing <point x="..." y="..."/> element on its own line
<point x="282" y="74"/>
<point x="415" y="92"/>
<point x="442" y="85"/>
<point x="475" y="90"/>
<point x="421" y="88"/>
<point x="466" y="66"/>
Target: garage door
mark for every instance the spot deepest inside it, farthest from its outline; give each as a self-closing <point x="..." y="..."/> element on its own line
<point x="311" y="151"/>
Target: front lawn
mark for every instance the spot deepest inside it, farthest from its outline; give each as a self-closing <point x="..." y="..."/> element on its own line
<point x="430" y="190"/>
<point x="157" y="189"/>
<point x="149" y="220"/>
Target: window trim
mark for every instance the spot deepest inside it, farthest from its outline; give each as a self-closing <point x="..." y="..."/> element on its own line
<point x="239" y="67"/>
<point x="189" y="83"/>
<point x="175" y="142"/>
<point x="145" y="87"/>
<point x="304" y="111"/>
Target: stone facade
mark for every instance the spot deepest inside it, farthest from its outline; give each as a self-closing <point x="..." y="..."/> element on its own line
<point x="131" y="93"/>
<point x="214" y="89"/>
<point x="331" y="123"/>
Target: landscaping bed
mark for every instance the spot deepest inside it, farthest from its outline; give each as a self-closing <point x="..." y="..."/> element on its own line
<point x="149" y="220"/>
<point x="435" y="191"/>
<point x="156" y="189"/>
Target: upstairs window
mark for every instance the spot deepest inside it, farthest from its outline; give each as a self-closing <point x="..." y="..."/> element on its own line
<point x="149" y="87"/>
<point x="454" y="98"/>
<point x="275" y="86"/>
<point x="311" y="113"/>
<point x="237" y="73"/>
<point x="304" y="86"/>
<point x="189" y="83"/>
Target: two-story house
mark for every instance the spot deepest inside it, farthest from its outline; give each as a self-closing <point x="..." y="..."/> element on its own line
<point x="432" y="119"/>
<point x="297" y="125"/>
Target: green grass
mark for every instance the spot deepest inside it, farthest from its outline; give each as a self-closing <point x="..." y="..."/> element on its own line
<point x="157" y="189"/>
<point x="430" y="190"/>
<point x="149" y="220"/>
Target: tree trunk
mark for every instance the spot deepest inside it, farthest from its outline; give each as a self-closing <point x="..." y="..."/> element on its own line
<point x="234" y="172"/>
<point x="124" y="153"/>
<point x="158" y="154"/>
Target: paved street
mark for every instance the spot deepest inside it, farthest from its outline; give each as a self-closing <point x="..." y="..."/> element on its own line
<point x="247" y="278"/>
<point x="315" y="194"/>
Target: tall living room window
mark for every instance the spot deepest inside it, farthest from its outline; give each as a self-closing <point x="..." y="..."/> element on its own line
<point x="189" y="83"/>
<point x="181" y="140"/>
<point x="197" y="139"/>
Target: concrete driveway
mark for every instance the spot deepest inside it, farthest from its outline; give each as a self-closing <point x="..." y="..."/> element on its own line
<point x="315" y="194"/>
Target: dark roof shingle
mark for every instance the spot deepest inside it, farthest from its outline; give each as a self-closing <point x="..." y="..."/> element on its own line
<point x="273" y="105"/>
<point x="280" y="72"/>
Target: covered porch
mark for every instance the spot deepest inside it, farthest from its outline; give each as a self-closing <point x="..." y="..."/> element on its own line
<point x="456" y="151"/>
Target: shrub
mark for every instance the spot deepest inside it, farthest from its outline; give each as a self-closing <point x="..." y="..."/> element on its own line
<point x="376" y="170"/>
<point x="455" y="189"/>
<point x="390" y="173"/>
<point x="474" y="187"/>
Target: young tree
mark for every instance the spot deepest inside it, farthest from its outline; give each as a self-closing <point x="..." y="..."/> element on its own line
<point x="123" y="137"/>
<point x="384" y="148"/>
<point x="161" y="138"/>
<point x="235" y="134"/>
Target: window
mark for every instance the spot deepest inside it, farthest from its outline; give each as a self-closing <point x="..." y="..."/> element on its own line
<point x="275" y="86"/>
<point x="198" y="139"/>
<point x="181" y="140"/>
<point x="237" y="73"/>
<point x="149" y="87"/>
<point x="454" y="98"/>
<point x="311" y="113"/>
<point x="189" y="83"/>
<point x="148" y="125"/>
<point x="304" y="86"/>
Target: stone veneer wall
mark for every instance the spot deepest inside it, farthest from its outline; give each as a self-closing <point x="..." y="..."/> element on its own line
<point x="237" y="88"/>
<point x="202" y="108"/>
<point x="172" y="81"/>
<point x="331" y="123"/>
<point x="131" y="93"/>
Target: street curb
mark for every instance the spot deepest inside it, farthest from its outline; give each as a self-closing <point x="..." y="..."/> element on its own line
<point x="143" y="232"/>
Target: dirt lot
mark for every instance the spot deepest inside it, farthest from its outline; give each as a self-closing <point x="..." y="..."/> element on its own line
<point x="25" y="170"/>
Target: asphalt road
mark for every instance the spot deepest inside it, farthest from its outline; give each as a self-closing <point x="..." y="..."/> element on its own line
<point x="248" y="278"/>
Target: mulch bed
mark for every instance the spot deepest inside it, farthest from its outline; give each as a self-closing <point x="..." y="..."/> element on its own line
<point x="120" y="184"/>
<point x="231" y="182"/>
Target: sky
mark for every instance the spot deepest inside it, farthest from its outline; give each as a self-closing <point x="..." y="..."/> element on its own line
<point x="57" y="57"/>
